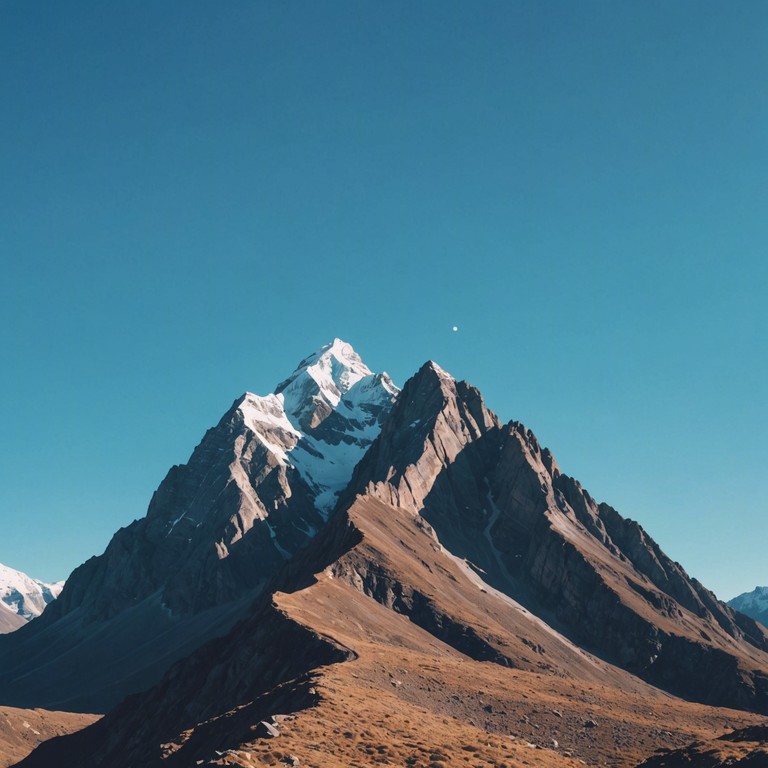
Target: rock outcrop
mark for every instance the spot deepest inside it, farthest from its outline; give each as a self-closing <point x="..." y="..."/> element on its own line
<point x="742" y="748"/>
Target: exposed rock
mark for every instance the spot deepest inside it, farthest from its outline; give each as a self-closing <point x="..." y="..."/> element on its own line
<point x="753" y="604"/>
<point x="266" y="730"/>
<point x="744" y="748"/>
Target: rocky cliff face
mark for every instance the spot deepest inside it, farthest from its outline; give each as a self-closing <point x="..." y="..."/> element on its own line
<point x="254" y="492"/>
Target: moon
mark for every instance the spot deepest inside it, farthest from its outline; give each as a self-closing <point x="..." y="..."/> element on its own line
<point x="455" y="328"/>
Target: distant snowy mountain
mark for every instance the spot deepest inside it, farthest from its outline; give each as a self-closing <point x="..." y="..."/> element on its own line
<point x="754" y="604"/>
<point x="23" y="597"/>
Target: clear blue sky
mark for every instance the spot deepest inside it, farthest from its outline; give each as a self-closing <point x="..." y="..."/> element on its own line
<point x="197" y="194"/>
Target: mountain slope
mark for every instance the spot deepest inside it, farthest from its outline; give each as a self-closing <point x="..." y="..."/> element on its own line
<point x="10" y="622"/>
<point x="255" y="490"/>
<point x="21" y="730"/>
<point x="753" y="604"/>
<point x="393" y="651"/>
<point x="23" y="598"/>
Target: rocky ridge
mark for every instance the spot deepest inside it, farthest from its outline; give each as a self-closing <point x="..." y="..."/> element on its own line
<point x="379" y="620"/>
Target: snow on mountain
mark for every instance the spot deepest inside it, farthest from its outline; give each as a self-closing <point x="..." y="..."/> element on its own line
<point x="322" y="418"/>
<point x="324" y="376"/>
<point x="754" y="604"/>
<point x="25" y="596"/>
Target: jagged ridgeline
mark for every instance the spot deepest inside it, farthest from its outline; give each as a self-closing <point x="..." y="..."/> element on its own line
<point x="342" y="520"/>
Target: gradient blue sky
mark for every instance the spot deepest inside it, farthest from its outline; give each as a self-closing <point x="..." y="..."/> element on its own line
<point x="195" y="195"/>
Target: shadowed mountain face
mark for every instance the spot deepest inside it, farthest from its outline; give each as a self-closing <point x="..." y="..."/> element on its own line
<point x="459" y="569"/>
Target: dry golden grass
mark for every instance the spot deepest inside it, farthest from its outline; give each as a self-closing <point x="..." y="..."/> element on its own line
<point x="409" y="700"/>
<point x="21" y="730"/>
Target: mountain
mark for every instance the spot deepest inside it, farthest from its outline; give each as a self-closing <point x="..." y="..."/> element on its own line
<point x="255" y="490"/>
<point x="23" y="598"/>
<point x="496" y="498"/>
<point x="463" y="601"/>
<point x="753" y="604"/>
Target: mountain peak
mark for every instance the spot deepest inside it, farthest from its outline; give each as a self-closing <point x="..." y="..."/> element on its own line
<point x="22" y="595"/>
<point x="322" y="418"/>
<point x="322" y="379"/>
<point x="753" y="604"/>
<point x="433" y="366"/>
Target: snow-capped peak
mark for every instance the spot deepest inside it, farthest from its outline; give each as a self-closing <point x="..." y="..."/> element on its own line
<point x="325" y="375"/>
<point x="295" y="422"/>
<point x="752" y="603"/>
<point x="23" y="595"/>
